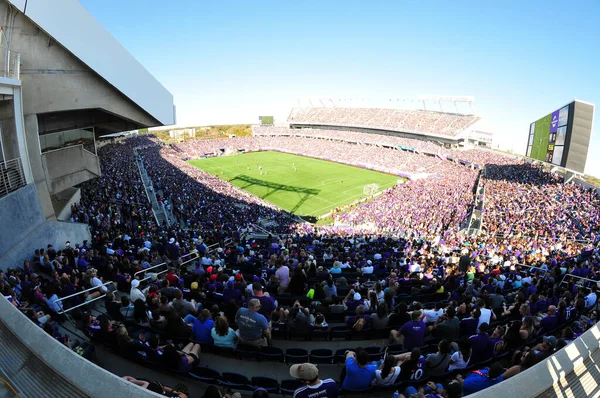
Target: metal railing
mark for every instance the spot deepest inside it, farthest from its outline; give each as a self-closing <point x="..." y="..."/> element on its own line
<point x="11" y="67"/>
<point x="86" y="302"/>
<point x="148" y="196"/>
<point x="533" y="267"/>
<point x="12" y="176"/>
<point x="164" y="264"/>
<point x="580" y="278"/>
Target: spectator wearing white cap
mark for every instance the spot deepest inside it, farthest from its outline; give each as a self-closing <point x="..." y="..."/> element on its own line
<point x="368" y="269"/>
<point x="314" y="387"/>
<point x="352" y="301"/>
<point x="135" y="293"/>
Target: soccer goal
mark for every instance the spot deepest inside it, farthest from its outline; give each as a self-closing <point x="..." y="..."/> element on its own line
<point x="370" y="189"/>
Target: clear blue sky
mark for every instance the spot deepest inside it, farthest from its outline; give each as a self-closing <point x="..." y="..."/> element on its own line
<point x="230" y="61"/>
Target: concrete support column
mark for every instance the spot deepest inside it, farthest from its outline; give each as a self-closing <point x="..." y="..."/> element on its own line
<point x="37" y="169"/>
<point x="20" y="132"/>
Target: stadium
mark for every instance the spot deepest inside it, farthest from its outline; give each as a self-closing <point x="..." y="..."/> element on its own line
<point x="346" y="251"/>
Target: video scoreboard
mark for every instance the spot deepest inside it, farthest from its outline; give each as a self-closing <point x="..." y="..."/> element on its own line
<point x="562" y="137"/>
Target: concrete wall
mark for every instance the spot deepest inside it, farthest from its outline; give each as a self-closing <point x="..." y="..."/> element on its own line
<point x="24" y="228"/>
<point x="20" y="213"/>
<point x="66" y="372"/>
<point x="8" y="130"/>
<point x="37" y="169"/>
<point x="554" y="376"/>
<point x="54" y="80"/>
<point x="67" y="167"/>
<point x="70" y="24"/>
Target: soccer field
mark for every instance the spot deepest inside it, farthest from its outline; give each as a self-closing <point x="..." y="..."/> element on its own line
<point x="304" y="186"/>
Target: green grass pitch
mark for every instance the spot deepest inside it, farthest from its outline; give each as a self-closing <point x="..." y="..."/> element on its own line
<point x="304" y="186"/>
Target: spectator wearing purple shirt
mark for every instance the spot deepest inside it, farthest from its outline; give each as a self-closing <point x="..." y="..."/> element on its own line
<point x="412" y="333"/>
<point x="480" y="344"/>
<point x="267" y="304"/>
<point x="313" y="387"/>
<point x="550" y="321"/>
<point x="352" y="301"/>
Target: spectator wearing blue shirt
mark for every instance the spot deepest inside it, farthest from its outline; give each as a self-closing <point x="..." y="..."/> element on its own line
<point x="202" y="327"/>
<point x="481" y="379"/>
<point x="330" y="289"/>
<point x="359" y="373"/>
<point x="253" y="328"/>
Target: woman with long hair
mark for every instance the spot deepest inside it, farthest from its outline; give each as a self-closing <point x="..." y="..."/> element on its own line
<point x="460" y="359"/>
<point x="527" y="328"/>
<point x="371" y="303"/>
<point x="222" y="334"/>
<point x="387" y="373"/>
<point x="378" y="291"/>
<point x="140" y="314"/>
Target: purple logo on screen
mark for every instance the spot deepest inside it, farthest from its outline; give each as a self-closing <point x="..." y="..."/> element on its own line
<point x="554" y="122"/>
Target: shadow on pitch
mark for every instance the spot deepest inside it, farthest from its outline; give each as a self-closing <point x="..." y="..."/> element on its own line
<point x="273" y="187"/>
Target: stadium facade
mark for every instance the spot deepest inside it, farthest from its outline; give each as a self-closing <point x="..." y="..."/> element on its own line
<point x="65" y="81"/>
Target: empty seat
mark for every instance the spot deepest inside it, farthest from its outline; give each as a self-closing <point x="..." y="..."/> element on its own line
<point x="248" y="352"/>
<point x="223" y="351"/>
<point x="235" y="381"/>
<point x="321" y="355"/>
<point x="339" y="332"/>
<point x="205" y="375"/>
<point x="288" y="386"/>
<point x="269" y="384"/>
<point x="272" y="354"/>
<point x="296" y="355"/>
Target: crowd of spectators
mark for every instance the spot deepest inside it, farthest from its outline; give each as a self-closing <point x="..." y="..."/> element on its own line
<point x="526" y="200"/>
<point x="453" y="303"/>
<point x="477" y="156"/>
<point x="406" y="120"/>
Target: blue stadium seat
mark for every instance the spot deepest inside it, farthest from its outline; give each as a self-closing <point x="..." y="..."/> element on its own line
<point x="269" y="384"/>
<point x="339" y="332"/>
<point x="248" y="352"/>
<point x="272" y="354"/>
<point x="205" y="375"/>
<point x="321" y="355"/>
<point x="288" y="386"/>
<point x="296" y="355"/>
<point x="235" y="381"/>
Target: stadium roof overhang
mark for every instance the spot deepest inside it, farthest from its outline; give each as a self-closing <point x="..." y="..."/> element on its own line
<point x="102" y="121"/>
<point x="68" y="23"/>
